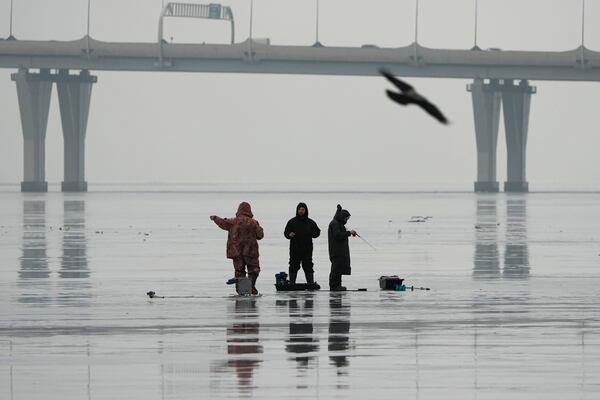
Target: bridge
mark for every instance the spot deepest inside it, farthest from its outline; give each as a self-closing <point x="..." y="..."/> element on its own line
<point x="499" y="78"/>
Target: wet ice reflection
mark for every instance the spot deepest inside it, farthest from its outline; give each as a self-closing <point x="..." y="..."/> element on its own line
<point x="339" y="331"/>
<point x="74" y="262"/>
<point x="243" y="344"/>
<point x="34" y="269"/>
<point x="302" y="342"/>
<point x="74" y="272"/>
<point x="504" y="318"/>
<point x="516" y="252"/>
<point x="36" y="273"/>
<point x="486" y="258"/>
<point x="488" y="227"/>
<point x="34" y="261"/>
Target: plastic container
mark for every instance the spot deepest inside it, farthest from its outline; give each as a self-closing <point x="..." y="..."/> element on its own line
<point x="390" y="282"/>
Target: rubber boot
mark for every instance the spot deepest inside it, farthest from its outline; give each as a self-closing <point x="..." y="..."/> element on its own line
<point x="335" y="282"/>
<point x="253" y="278"/>
<point x="238" y="275"/>
<point x="293" y="276"/>
<point x="310" y="279"/>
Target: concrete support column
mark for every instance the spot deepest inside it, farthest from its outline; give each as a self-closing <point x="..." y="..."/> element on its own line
<point x="33" y="93"/>
<point x="74" y="94"/>
<point x="517" y="103"/>
<point x="486" y="110"/>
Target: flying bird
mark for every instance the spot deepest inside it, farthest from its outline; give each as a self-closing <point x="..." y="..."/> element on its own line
<point x="408" y="95"/>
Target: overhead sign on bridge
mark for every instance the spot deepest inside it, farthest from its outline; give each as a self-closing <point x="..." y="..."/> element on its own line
<point x="214" y="11"/>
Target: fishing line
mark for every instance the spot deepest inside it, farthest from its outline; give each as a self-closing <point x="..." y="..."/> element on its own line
<point x="366" y="241"/>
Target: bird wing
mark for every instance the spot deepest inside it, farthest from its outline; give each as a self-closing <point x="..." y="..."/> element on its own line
<point x="433" y="111"/>
<point x="397" y="97"/>
<point x="403" y="86"/>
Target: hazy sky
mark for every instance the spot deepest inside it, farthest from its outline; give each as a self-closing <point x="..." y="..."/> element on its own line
<point x="291" y="129"/>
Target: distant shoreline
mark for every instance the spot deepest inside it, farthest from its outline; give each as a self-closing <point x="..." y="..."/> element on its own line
<point x="204" y="188"/>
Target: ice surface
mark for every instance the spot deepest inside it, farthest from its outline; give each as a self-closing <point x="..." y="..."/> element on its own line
<point x="513" y="312"/>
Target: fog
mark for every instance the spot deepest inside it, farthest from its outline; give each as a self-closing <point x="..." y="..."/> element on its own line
<point x="308" y="130"/>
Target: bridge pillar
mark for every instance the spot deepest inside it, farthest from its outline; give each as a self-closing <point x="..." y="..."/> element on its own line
<point x="517" y="103"/>
<point x="74" y="94"/>
<point x="33" y="93"/>
<point x="486" y="110"/>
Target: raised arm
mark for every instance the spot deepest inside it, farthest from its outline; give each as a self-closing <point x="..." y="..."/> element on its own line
<point x="223" y="223"/>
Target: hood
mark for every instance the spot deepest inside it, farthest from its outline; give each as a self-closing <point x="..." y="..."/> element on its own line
<point x="341" y="214"/>
<point x="244" y="209"/>
<point x="305" y="207"/>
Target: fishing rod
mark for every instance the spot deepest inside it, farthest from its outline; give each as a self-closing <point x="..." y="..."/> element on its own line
<point x="413" y="288"/>
<point x="152" y="294"/>
<point x="366" y="241"/>
<point x="406" y="288"/>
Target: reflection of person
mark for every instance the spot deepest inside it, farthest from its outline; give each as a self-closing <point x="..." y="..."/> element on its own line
<point x="339" y="329"/>
<point x="242" y="340"/>
<point x="339" y="251"/>
<point x="301" y="230"/>
<point x="242" y="245"/>
<point x="301" y="340"/>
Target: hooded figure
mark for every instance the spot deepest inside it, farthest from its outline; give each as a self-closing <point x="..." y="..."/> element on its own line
<point x="242" y="241"/>
<point x="301" y="230"/>
<point x="339" y="251"/>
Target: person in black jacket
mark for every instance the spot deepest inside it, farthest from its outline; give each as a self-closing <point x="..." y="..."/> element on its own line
<point x="301" y="230"/>
<point x="339" y="251"/>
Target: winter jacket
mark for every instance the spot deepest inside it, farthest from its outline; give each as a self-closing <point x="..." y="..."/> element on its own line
<point x="305" y="230"/>
<point x="337" y="235"/>
<point x="244" y="231"/>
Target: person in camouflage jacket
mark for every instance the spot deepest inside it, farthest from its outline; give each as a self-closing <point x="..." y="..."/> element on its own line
<point x="242" y="242"/>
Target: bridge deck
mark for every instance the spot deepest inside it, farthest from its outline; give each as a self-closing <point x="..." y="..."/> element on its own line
<point x="580" y="64"/>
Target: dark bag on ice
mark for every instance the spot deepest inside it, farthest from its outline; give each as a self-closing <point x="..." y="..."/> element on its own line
<point x="390" y="282"/>
<point x="283" y="285"/>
